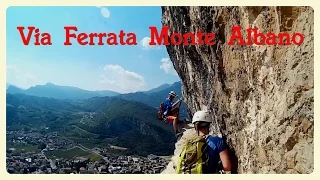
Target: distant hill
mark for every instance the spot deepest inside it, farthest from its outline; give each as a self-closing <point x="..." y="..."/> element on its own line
<point x="154" y="99"/>
<point x="60" y="92"/>
<point x="160" y="88"/>
<point x="10" y="85"/>
<point x="105" y="120"/>
<point x="14" y="90"/>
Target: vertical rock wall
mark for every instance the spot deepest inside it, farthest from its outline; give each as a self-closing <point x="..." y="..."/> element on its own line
<point x="262" y="95"/>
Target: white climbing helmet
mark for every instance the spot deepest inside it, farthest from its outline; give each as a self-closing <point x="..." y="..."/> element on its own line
<point x="172" y="93"/>
<point x="202" y="116"/>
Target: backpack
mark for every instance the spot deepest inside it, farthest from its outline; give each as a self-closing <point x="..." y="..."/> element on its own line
<point x="160" y="115"/>
<point x="193" y="158"/>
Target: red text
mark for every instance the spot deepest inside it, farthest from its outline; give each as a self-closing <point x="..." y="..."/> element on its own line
<point x="44" y="40"/>
<point x="260" y="38"/>
<point x="91" y="38"/>
<point x="177" y="38"/>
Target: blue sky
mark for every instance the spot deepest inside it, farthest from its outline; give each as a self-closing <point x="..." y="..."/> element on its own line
<point x="119" y="68"/>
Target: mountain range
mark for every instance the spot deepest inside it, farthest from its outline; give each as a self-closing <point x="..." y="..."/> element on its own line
<point x="107" y="120"/>
<point x="101" y="116"/>
<point x="59" y="92"/>
<point x="152" y="97"/>
<point x="69" y="92"/>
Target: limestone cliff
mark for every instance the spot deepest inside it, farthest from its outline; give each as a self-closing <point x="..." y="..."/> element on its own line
<point x="262" y="95"/>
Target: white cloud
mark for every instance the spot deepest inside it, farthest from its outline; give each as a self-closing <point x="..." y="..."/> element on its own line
<point x="116" y="78"/>
<point x="105" y="12"/>
<point x="145" y="44"/>
<point x="167" y="66"/>
<point x="20" y="78"/>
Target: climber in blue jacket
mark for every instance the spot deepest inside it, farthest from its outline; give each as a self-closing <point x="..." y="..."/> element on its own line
<point x="170" y="110"/>
<point x="217" y="149"/>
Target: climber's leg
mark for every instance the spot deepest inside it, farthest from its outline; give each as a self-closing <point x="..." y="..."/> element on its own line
<point x="176" y="113"/>
<point x="175" y="125"/>
<point x="174" y="121"/>
<point x="176" y="129"/>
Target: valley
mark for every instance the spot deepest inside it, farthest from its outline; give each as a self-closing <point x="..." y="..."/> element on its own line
<point x="94" y="122"/>
<point x="50" y="128"/>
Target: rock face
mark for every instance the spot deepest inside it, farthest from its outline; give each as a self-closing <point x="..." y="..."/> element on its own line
<point x="262" y="96"/>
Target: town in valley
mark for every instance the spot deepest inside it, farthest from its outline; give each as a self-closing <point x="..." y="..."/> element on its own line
<point x="37" y="153"/>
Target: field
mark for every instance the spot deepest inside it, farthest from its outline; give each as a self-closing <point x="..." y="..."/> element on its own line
<point x="72" y="153"/>
<point x="67" y="154"/>
<point x="75" y="131"/>
<point x="19" y="148"/>
<point x="94" y="157"/>
<point x="90" y="142"/>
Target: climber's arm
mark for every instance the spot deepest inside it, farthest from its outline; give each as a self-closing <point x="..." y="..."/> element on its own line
<point x="224" y="156"/>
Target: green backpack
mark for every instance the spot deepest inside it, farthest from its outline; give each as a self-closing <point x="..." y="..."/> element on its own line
<point x="193" y="158"/>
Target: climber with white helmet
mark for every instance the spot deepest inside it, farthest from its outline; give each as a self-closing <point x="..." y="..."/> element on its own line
<point x="216" y="148"/>
<point x="169" y="111"/>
